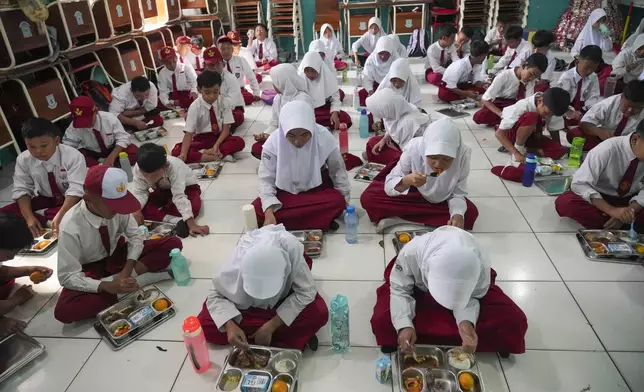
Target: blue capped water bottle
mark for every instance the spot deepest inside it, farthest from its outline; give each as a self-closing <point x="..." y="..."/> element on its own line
<point x="528" y="171"/>
<point x="364" y="124"/>
<point x="179" y="266"/>
<point x="351" y="225"/>
<point x="340" y="324"/>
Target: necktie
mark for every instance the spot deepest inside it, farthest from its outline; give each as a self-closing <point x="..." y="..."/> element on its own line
<point x="181" y="59"/>
<point x="198" y="64"/>
<point x="105" y="238"/>
<point x="55" y="190"/>
<point x="521" y="92"/>
<point x="99" y="140"/>
<point x="442" y="58"/>
<point x="514" y="55"/>
<point x="213" y="120"/>
<point x="576" y="102"/>
<point x="174" y="86"/>
<point x="627" y="180"/>
<point x="228" y="66"/>
<point x="621" y="126"/>
<point x="460" y="52"/>
<point x="261" y="51"/>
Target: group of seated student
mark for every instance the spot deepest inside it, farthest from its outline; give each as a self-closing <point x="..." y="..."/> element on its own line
<point x="450" y="46"/>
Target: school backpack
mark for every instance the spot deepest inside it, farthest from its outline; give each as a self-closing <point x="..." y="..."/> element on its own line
<point x="418" y="43"/>
<point x="98" y="92"/>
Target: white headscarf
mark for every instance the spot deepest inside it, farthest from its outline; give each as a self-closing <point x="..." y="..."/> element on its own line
<point x="292" y="86"/>
<point x="401" y="51"/>
<point x="402" y="120"/>
<point x="298" y="169"/>
<point x="332" y="44"/>
<point x="373" y="66"/>
<point x="631" y="40"/>
<point x="590" y="35"/>
<point x="373" y="39"/>
<point x="318" y="46"/>
<point x="326" y="83"/>
<point x="400" y="69"/>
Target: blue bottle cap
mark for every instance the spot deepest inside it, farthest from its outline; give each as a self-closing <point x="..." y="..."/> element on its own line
<point x="351" y="209"/>
<point x="363" y="111"/>
<point x="530" y="158"/>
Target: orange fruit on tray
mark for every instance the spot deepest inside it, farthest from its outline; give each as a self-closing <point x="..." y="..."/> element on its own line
<point x="155" y="237"/>
<point x="37" y="276"/>
<point x="466" y="381"/>
<point x="404" y="238"/>
<point x="279" y="386"/>
<point x="161" y="304"/>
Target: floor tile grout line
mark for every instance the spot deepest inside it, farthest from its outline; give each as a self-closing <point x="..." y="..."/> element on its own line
<point x="505" y="377"/>
<point x="83" y="365"/>
<point x="178" y="373"/>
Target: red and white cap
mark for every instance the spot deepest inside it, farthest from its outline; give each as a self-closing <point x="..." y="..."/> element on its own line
<point x="167" y="53"/>
<point x="183" y="40"/>
<point x="110" y="184"/>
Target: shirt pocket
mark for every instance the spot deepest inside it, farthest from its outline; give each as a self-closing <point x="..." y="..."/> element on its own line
<point x="109" y="139"/>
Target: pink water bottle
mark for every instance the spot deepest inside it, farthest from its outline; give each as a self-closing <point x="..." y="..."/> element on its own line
<point x="344" y="139"/>
<point x="196" y="345"/>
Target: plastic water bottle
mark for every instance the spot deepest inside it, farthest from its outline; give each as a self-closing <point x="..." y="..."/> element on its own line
<point x="179" y="266"/>
<point x="145" y="231"/>
<point x="345" y="76"/>
<point x="359" y="77"/>
<point x="609" y="87"/>
<point x="364" y="124"/>
<point x="124" y="162"/>
<point x="351" y="225"/>
<point x="356" y="98"/>
<point x="528" y="171"/>
<point x="195" y="341"/>
<point x="577" y="149"/>
<point x="340" y="324"/>
<point x="344" y="139"/>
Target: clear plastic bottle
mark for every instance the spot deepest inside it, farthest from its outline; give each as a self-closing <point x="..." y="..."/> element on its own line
<point x="351" y="225"/>
<point x="340" y="324"/>
<point x="124" y="162"/>
<point x="359" y="77"/>
<point x="195" y="341"/>
<point x="343" y="136"/>
<point x="179" y="266"/>
<point x="145" y="231"/>
<point x="364" y="124"/>
<point x="576" y="151"/>
<point x="356" y="98"/>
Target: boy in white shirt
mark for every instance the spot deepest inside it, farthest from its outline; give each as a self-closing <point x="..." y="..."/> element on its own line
<point x="48" y="178"/>
<point x="463" y="78"/>
<point x="96" y="264"/>
<point x="494" y="37"/>
<point x="229" y="85"/>
<point x="135" y="104"/>
<point x="97" y="135"/>
<point x="183" y="47"/>
<point x="613" y="116"/>
<point x="177" y="81"/>
<point x="240" y="68"/>
<point x="175" y="197"/>
<point x="263" y="48"/>
<point x="541" y="41"/>
<point x="209" y="117"/>
<point x="195" y="57"/>
<point x="440" y="54"/>
<point x="515" y="46"/>
<point x="463" y="40"/>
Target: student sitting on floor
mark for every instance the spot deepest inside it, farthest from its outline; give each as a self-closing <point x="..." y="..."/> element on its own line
<point x="318" y="46"/>
<point x="95" y="263"/>
<point x="516" y="45"/>
<point x="399" y="48"/>
<point x="367" y="41"/>
<point x="332" y="46"/>
<point x="15" y="236"/>
<point x="177" y="81"/>
<point x="463" y="78"/>
<point x="508" y="87"/>
<point x="441" y="290"/>
<point x="376" y="67"/>
<point x="48" y="178"/>
<point x="265" y="294"/>
<point x="494" y="37"/>
<point x="606" y="191"/>
<point x="175" y="197"/>
<point x="427" y="185"/>
<point x="240" y="68"/>
<point x="440" y="54"/>
<point x="591" y="34"/>
<point x="541" y="42"/>
<point x="97" y="135"/>
<point x="400" y="79"/>
<point x="135" y="104"/>
<point x="462" y="41"/>
<point x="183" y="48"/>
<point x="262" y="48"/>
<point x="229" y="86"/>
<point x="207" y="137"/>
<point x="402" y="122"/>
<point x="613" y="116"/>
<point x="195" y="57"/>
<point x="303" y="179"/>
<point x="629" y="63"/>
<point x="322" y="86"/>
<point x="581" y="83"/>
<point x="522" y="125"/>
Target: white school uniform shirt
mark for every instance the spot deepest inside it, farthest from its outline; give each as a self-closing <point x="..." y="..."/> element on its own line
<point x="552" y="62"/>
<point x="606" y="113"/>
<point x="504" y="61"/>
<point x="590" y="93"/>
<point x="243" y="72"/>
<point x="368" y="41"/>
<point x="434" y="57"/>
<point x="107" y="124"/>
<point x="30" y="175"/>
<point x="511" y="114"/>
<point x="418" y="260"/>
<point x="195" y="61"/>
<point x="123" y="99"/>
<point x="186" y="78"/>
<point x="492" y="36"/>
<point x="79" y="243"/>
<point x="269" y="50"/>
<point x="228" y="297"/>
<point x="627" y="58"/>
<point x="230" y="89"/>
<point x="462" y="71"/>
<point x="506" y="85"/>
<point x="603" y="169"/>
<point x="176" y="177"/>
<point x="591" y="36"/>
<point x="198" y="118"/>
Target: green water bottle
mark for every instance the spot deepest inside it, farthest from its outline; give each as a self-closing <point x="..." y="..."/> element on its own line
<point x="574" y="158"/>
<point x="345" y="76"/>
<point x="490" y="62"/>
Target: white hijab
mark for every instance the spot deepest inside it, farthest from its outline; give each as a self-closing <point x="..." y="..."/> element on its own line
<point x="631" y="40"/>
<point x="373" y="39"/>
<point x="402" y="120"/>
<point x="373" y="66"/>
<point x="332" y="44"/>
<point x="318" y="46"/>
<point x="400" y="69"/>
<point x="326" y="83"/>
<point x="401" y="51"/>
<point x="291" y="85"/>
<point x="298" y="169"/>
<point x="590" y="35"/>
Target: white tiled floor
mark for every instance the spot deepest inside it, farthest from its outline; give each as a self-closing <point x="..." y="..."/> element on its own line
<point x="585" y="318"/>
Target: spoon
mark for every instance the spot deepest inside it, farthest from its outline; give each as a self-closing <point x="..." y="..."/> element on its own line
<point x="413" y="353"/>
<point x="632" y="233"/>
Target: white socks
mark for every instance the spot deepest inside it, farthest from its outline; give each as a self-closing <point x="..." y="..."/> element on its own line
<point x="171" y="219"/>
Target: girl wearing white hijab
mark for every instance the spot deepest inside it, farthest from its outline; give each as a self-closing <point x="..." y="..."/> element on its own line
<point x="323" y="89"/>
<point x="332" y="45"/>
<point x="427" y="185"/>
<point x="376" y="67"/>
<point x="318" y="46"/>
<point x="441" y="288"/>
<point x="402" y="122"/>
<point x="401" y="50"/>
<point x="591" y="34"/>
<point x="400" y="79"/>
<point x="631" y="39"/>
<point x="368" y="41"/>
<point x="629" y="63"/>
<point x="289" y="87"/>
<point x="265" y="292"/>
<point x="303" y="179"/>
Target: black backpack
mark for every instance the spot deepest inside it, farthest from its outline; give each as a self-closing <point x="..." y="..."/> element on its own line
<point x="418" y="43"/>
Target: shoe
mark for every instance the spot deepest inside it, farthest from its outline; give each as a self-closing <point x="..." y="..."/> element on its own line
<point x="181" y="229"/>
<point x="313" y="343"/>
<point x="502" y="149"/>
<point x="334" y="226"/>
<point x="388" y="349"/>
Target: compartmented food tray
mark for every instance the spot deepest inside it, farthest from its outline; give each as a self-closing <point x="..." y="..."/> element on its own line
<point x="207" y="170"/>
<point x="368" y="172"/>
<point x="134" y="316"/>
<point x="613" y="246"/>
<point x="403" y="237"/>
<point x="312" y="241"/>
<point x="452" y="113"/>
<point x="41" y="245"/>
<point x="150" y="134"/>
<point x="172" y="113"/>
<point x="158" y="230"/>
<point x="553" y="185"/>
<point x="17" y="351"/>
<point x="260" y="369"/>
<point x="438" y="369"/>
